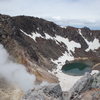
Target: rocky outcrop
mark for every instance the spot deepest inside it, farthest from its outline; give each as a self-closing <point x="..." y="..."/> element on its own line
<point x="87" y="88"/>
<point x="80" y="86"/>
<point x="9" y="91"/>
<point x="50" y="92"/>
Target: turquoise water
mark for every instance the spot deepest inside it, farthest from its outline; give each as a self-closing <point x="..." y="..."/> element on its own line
<point x="76" y="68"/>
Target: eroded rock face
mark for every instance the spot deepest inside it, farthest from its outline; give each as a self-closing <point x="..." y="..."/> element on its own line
<point x="9" y="91"/>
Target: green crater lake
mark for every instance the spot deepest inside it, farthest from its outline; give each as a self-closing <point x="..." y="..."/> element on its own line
<point x="76" y="68"/>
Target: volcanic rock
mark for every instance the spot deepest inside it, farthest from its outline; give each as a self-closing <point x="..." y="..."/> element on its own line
<point x="9" y="91"/>
<point x="49" y="92"/>
<point x="33" y="42"/>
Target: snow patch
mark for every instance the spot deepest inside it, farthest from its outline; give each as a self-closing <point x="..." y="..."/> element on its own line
<point x="48" y="36"/>
<point x="37" y="28"/>
<point x="62" y="59"/>
<point x="92" y="45"/>
<point x="33" y="36"/>
<point x="94" y="72"/>
<point x="70" y="44"/>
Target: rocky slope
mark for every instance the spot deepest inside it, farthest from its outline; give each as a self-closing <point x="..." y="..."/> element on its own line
<point x="15" y="32"/>
<point x="87" y="88"/>
<point x="37" y="44"/>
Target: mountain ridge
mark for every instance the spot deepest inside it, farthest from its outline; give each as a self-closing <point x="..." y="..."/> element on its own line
<point x="42" y="45"/>
<point x="12" y="26"/>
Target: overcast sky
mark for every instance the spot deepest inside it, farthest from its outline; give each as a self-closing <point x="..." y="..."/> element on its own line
<point x="77" y="13"/>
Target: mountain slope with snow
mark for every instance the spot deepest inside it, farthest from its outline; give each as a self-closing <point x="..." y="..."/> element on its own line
<point x="43" y="47"/>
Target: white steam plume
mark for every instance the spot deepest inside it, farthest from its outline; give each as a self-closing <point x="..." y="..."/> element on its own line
<point x="15" y="73"/>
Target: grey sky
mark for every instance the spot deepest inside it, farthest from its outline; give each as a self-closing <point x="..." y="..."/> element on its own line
<point x="77" y="13"/>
